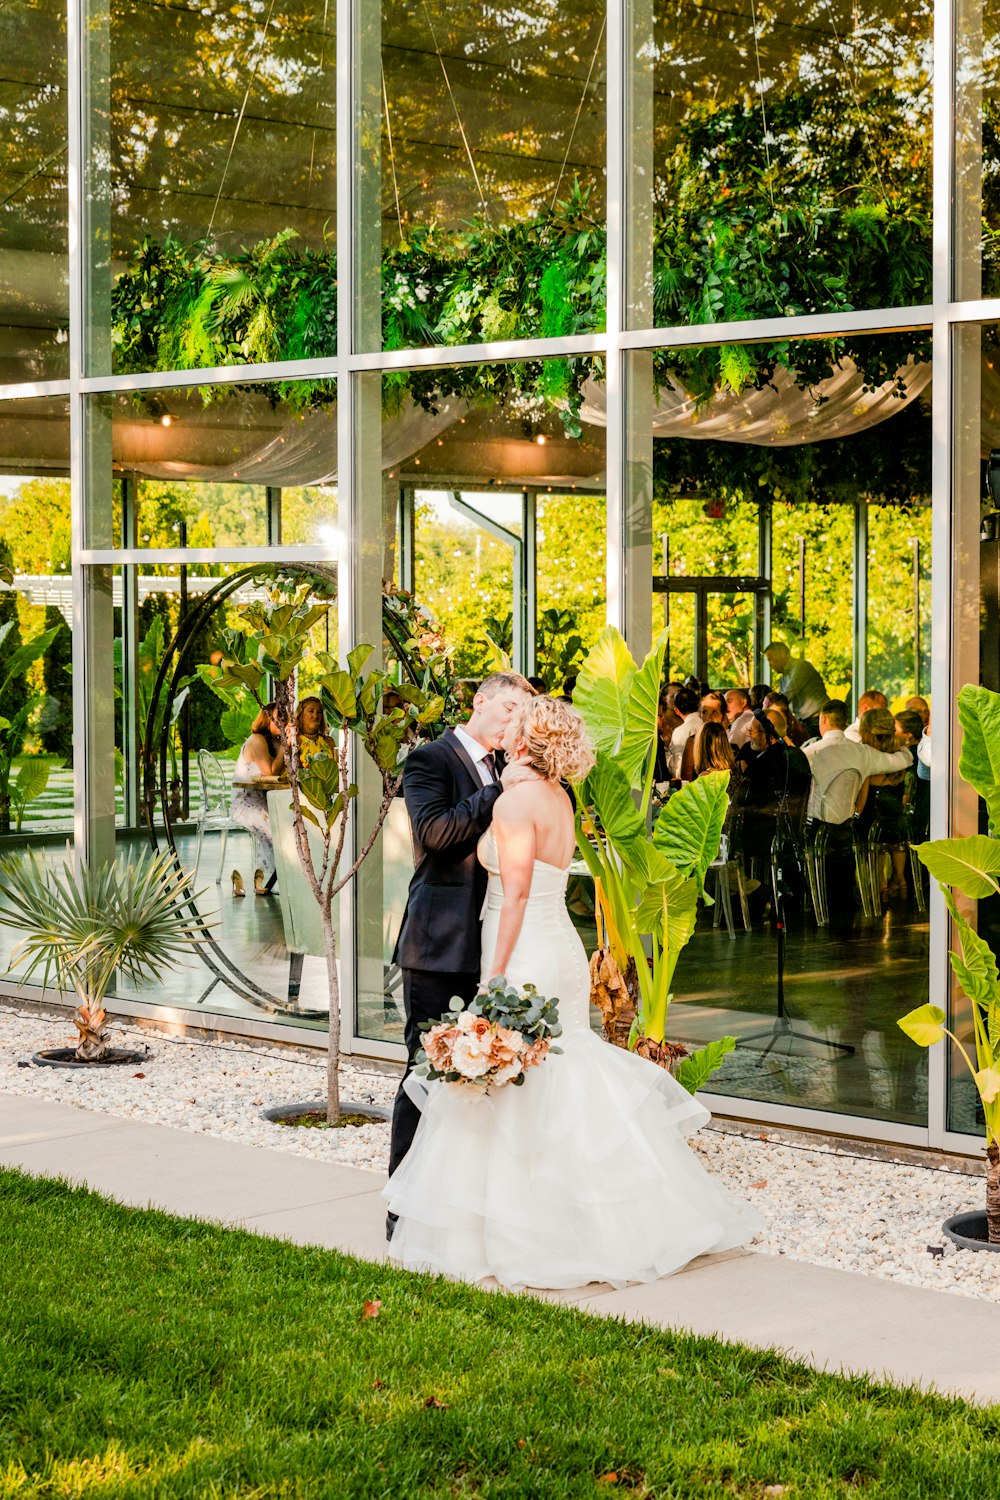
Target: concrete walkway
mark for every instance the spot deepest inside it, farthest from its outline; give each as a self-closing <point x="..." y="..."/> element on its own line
<point x="831" y="1319"/>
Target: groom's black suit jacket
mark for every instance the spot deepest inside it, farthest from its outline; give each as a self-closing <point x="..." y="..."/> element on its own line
<point x="449" y="810"/>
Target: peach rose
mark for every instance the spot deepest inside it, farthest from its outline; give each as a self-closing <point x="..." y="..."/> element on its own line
<point x="438" y="1044"/>
<point x="535" y="1054"/>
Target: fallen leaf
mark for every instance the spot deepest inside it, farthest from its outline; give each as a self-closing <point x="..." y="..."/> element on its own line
<point x="370" y="1310"/>
<point x="776" y="1489"/>
<point x="611" y="1477"/>
<point x="522" y="1442"/>
<point x="761" y="1184"/>
<point x="432" y="1401"/>
<point x="762" y="1136"/>
<point x="378" y="1385"/>
<point x="138" y="1075"/>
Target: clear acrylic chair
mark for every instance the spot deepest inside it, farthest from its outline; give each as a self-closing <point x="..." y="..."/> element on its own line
<point x="818" y="844"/>
<point x="214" y="814"/>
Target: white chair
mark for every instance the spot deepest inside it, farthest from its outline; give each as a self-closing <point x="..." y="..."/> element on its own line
<point x="214" y="814"/>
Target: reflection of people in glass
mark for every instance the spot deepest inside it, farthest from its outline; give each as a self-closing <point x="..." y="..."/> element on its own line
<point x="261" y="755"/>
<point x="311" y="734"/>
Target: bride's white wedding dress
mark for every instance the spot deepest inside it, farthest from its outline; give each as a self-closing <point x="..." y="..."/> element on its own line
<point x="580" y="1174"/>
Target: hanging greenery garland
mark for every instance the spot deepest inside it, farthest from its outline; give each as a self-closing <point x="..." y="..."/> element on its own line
<point x="736" y="237"/>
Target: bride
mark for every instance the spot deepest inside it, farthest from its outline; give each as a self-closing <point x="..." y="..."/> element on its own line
<point x="582" y="1173"/>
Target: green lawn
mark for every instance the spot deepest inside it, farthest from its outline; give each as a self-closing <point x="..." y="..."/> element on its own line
<point x="143" y="1355"/>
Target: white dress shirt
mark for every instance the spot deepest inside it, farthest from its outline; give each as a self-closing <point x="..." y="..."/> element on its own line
<point x="739" y="729"/>
<point x="831" y="755"/>
<point x="853" y="731"/>
<point x="477" y="753"/>
<point x="686" y="730"/>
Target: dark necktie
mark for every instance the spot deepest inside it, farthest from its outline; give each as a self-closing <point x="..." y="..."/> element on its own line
<point x="489" y="761"/>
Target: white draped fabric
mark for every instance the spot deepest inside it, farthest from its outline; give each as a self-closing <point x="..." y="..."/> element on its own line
<point x="243" y="439"/>
<point x="779" y="414"/>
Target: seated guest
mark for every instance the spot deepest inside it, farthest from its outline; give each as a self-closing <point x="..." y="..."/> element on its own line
<point x="311" y="734"/>
<point x="569" y="687"/>
<point x="800" y="681"/>
<point x="261" y="755"/>
<point x="880" y="801"/>
<point x="870" y="698"/>
<point x="758" y="693"/>
<point x="833" y="796"/>
<point x="773" y="793"/>
<point x="739" y="716"/>
<point x="713" y="752"/>
<point x="539" y="684"/>
<point x="667" y="720"/>
<point x="686" y="705"/>
<point x="797" y="731"/>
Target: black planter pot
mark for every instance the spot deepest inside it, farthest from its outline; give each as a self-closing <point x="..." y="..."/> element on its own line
<point x="969" y="1231"/>
<point x="279" y="1112"/>
<point x="65" y="1057"/>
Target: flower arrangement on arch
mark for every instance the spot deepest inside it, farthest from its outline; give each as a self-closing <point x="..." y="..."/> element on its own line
<point x="493" y="1040"/>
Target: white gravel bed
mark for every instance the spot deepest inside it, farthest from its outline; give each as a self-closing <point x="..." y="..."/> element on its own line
<point x="821" y="1204"/>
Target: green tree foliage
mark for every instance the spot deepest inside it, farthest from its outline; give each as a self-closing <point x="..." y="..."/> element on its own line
<point x="55" y="715"/>
<point x="17" y="692"/>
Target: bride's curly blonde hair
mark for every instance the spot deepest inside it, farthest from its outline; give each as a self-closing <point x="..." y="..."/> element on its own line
<point x="555" y="737"/>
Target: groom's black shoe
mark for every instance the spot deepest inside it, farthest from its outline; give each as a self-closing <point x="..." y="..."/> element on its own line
<point x="391" y="1221"/>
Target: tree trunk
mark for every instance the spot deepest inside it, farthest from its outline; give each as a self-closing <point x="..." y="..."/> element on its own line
<point x="333" y="1039"/>
<point x="993" y="1192"/>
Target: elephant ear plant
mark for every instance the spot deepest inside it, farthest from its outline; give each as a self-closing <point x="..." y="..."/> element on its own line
<point x="970" y="868"/>
<point x="648" y="884"/>
<point x="80" y="927"/>
<point x="272" y="639"/>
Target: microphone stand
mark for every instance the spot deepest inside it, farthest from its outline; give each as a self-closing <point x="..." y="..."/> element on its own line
<point x="783" y="1026"/>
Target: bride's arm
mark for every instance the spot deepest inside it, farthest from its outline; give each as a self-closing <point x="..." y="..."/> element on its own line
<point x="515" y="839"/>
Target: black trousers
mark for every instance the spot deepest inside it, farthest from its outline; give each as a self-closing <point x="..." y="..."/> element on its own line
<point x="425" y="998"/>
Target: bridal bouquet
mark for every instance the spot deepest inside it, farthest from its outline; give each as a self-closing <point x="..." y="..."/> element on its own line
<point x="491" y="1041"/>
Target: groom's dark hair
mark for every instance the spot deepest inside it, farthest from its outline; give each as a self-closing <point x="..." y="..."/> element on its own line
<point x="505" y="682"/>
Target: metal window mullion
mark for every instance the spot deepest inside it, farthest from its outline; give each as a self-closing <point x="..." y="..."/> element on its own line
<point x="945" y="537"/>
<point x="529" y="563"/>
<point x="615" y="504"/>
<point x="859" y="609"/>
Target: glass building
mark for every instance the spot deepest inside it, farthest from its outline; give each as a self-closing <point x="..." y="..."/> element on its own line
<point x="651" y="313"/>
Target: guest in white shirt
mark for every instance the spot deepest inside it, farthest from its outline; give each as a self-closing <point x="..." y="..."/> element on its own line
<point x="685" y="704"/>
<point x="739" y="715"/>
<point x="833" y="795"/>
<point x="870" y="698"/>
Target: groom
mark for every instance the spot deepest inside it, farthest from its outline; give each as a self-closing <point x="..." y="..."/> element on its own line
<point x="451" y="786"/>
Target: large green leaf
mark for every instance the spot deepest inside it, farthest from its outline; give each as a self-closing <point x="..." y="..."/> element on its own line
<point x="607" y="790"/>
<point x="602" y="689"/>
<point x="979" y="762"/>
<point x="639" y="736"/>
<point x="668" y="911"/>
<point x="689" y="829"/>
<point x="972" y="864"/>
<point x="24" y="657"/>
<point x="694" y="1071"/>
<point x="976" y="971"/>
<point x="925" y="1025"/>
<point x="32" y="779"/>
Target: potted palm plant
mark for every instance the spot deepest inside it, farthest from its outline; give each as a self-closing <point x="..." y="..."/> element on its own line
<point x="969" y="868"/>
<point x="80" y="927"/>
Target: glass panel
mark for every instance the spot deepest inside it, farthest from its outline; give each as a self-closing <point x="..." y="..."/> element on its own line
<point x="36" y="693"/>
<point x="818" y="130"/>
<point x="213" y="233"/>
<point x="229" y="469"/>
<point x="977" y="630"/>
<point x="179" y="748"/>
<point x="491" y="170"/>
<point x="977" y="205"/>
<point x="474" y="495"/>
<point x="817" y="474"/>
<point x="34" y="293"/>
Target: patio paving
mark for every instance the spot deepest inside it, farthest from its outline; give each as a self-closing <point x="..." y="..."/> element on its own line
<point x="832" y="1319"/>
